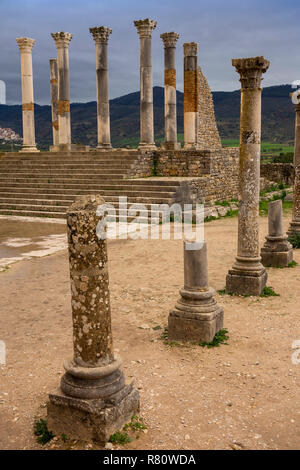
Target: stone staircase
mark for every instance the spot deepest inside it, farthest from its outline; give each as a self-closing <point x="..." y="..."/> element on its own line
<point x="45" y="184"/>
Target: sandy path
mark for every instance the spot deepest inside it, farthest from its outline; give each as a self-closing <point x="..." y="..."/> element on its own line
<point x="243" y="395"/>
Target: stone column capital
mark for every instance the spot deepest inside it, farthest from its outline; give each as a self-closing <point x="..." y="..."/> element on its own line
<point x="100" y="34"/>
<point x="251" y="70"/>
<point x="25" y="44"/>
<point x="190" y="48"/>
<point x="62" y="39"/>
<point x="145" y="27"/>
<point x="169" y="39"/>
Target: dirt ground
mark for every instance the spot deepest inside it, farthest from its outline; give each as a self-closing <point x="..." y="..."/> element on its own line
<point x="244" y="395"/>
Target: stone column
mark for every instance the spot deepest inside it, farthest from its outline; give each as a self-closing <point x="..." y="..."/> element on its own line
<point x="197" y="316"/>
<point x="277" y="251"/>
<point x="190" y="95"/>
<point x="145" y="28"/>
<point x="170" y="40"/>
<point x="248" y="276"/>
<point x="62" y="41"/>
<point x="93" y="400"/>
<point x="25" y="46"/>
<point x="54" y="101"/>
<point x="101" y="35"/>
<point x="294" y="228"/>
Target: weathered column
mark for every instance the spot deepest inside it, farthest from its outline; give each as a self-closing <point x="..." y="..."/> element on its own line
<point x="54" y="101"/>
<point x="248" y="276"/>
<point x="190" y="95"/>
<point x="93" y="400"/>
<point x="101" y="35"/>
<point x="62" y="41"/>
<point x="277" y="251"/>
<point x="294" y="228"/>
<point x="25" y="46"/>
<point x="197" y="316"/>
<point x="170" y="40"/>
<point x="145" y="28"/>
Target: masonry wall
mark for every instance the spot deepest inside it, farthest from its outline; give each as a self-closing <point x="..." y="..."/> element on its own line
<point x="208" y="134"/>
<point x="278" y="172"/>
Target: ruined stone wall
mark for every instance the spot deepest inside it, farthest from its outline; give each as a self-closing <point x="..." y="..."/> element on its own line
<point x="208" y="134"/>
<point x="278" y="172"/>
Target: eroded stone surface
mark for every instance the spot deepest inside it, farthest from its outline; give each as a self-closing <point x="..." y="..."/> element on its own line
<point x="248" y="275"/>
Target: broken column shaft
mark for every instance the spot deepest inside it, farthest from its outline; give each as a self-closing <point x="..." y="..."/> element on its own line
<point x="25" y="46"/>
<point x="170" y="40"/>
<point x="93" y="401"/>
<point x="277" y="251"/>
<point x="145" y="28"/>
<point x="248" y="276"/>
<point x="196" y="316"/>
<point x="190" y="95"/>
<point x="101" y="35"/>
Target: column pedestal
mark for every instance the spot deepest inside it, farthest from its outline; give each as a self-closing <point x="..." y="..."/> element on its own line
<point x="93" y="400"/>
<point x="197" y="315"/>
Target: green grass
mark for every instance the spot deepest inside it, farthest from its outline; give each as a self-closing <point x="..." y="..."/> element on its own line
<point x="120" y="437"/>
<point x="269" y="150"/>
<point x="4" y="269"/>
<point x="134" y="427"/>
<point x="220" y="338"/>
<point x="268" y="291"/>
<point x="295" y="240"/>
<point x="42" y="432"/>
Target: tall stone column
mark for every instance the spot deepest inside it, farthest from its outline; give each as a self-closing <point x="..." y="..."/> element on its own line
<point x="145" y="28"/>
<point x="197" y="315"/>
<point x="190" y="95"/>
<point x="294" y="228"/>
<point x="93" y="400"/>
<point x="62" y="41"/>
<point x="248" y="276"/>
<point x="25" y="46"/>
<point x="101" y="35"/>
<point x="54" y="101"/>
<point x="170" y="40"/>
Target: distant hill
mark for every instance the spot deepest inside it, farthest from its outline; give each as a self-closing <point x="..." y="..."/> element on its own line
<point x="277" y="117"/>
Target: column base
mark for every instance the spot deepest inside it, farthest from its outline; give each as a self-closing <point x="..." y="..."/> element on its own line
<point x="276" y="252"/>
<point x="144" y="147"/>
<point x="91" y="420"/>
<point x="29" y="150"/>
<point x="69" y="148"/>
<point x="104" y="147"/>
<point x="197" y="317"/>
<point x="294" y="229"/>
<point x="171" y="146"/>
<point x="246" y="282"/>
<point x="190" y="146"/>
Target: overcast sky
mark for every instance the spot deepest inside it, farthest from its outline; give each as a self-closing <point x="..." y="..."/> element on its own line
<point x="223" y="29"/>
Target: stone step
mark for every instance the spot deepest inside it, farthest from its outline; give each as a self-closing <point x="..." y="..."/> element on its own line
<point x="63" y="166"/>
<point x="65" y="200"/>
<point x="100" y="188"/>
<point x="112" y="184"/>
<point x="83" y="179"/>
<point x="55" y="172"/>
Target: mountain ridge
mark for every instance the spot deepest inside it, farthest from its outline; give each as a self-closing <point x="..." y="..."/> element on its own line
<point x="277" y="117"/>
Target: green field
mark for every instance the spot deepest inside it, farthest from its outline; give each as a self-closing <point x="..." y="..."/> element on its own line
<point x="268" y="149"/>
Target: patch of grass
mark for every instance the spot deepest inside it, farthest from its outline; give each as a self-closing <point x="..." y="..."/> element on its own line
<point x="209" y="218"/>
<point x="220" y="338"/>
<point x="231" y="213"/>
<point x="164" y="337"/>
<point x="222" y="203"/>
<point x="221" y="291"/>
<point x="268" y="291"/>
<point x="4" y="268"/>
<point x="42" y="432"/>
<point x="120" y="437"/>
<point x="158" y="327"/>
<point x="136" y="424"/>
<point x="295" y="240"/>
<point x="64" y="437"/>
